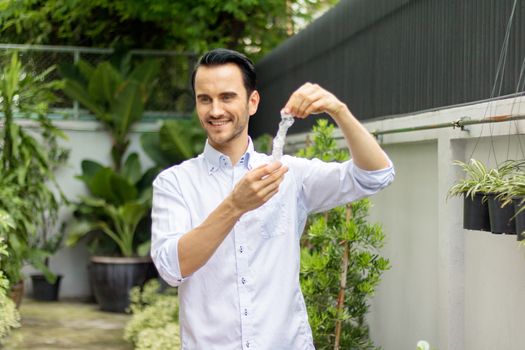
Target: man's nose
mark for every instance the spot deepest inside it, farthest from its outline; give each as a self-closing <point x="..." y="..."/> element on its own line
<point x="216" y="109"/>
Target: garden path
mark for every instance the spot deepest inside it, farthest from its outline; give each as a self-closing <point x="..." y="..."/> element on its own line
<point x="67" y="325"/>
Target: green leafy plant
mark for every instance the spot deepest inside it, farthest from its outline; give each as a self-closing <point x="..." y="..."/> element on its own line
<point x="513" y="188"/>
<point x="176" y="141"/>
<point x="115" y="214"/>
<point x="154" y="325"/>
<point x="263" y="143"/>
<point x="115" y="96"/>
<point x="480" y="180"/>
<point x="119" y="201"/>
<point x="9" y="316"/>
<point x="28" y="190"/>
<point x="251" y="26"/>
<point x="340" y="262"/>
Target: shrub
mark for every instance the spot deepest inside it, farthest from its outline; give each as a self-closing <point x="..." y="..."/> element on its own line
<point x="154" y="325"/>
<point x="9" y="317"/>
<point x="340" y="262"/>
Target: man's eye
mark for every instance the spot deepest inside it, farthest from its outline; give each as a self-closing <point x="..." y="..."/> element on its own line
<point x="204" y="100"/>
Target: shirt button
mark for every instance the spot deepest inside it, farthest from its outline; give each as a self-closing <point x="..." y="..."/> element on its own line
<point x="241" y="249"/>
<point x="245" y="312"/>
<point x="243" y="280"/>
<point x="247" y="344"/>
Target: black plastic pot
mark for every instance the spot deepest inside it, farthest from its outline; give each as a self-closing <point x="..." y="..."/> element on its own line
<point x="112" y="279"/>
<point x="43" y="290"/>
<point x="475" y="213"/>
<point x="501" y="218"/>
<point x="519" y="220"/>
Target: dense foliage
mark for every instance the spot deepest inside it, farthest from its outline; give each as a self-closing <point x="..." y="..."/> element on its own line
<point x="28" y="190"/>
<point x="9" y="317"/>
<point x="183" y="25"/>
<point x="154" y="325"/>
<point x="340" y="262"/>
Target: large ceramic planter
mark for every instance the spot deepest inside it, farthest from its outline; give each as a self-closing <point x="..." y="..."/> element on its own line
<point x="501" y="218"/>
<point x="475" y="213"/>
<point x="519" y="220"/>
<point x="43" y="290"/>
<point x="112" y="279"/>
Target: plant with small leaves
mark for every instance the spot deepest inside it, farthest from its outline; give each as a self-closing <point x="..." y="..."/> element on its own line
<point x="9" y="316"/>
<point x="154" y="324"/>
<point x="340" y="262"/>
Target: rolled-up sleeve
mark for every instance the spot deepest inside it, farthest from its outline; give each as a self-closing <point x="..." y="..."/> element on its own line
<point x="325" y="185"/>
<point x="170" y="220"/>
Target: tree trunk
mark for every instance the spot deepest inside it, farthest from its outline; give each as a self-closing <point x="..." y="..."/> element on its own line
<point x="342" y="283"/>
<point x="8" y="129"/>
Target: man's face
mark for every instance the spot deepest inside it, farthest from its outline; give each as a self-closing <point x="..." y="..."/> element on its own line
<point x="223" y="106"/>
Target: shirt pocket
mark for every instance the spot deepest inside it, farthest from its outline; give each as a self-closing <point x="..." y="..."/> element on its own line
<point x="273" y="217"/>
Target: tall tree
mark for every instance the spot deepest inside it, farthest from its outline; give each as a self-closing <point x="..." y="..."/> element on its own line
<point x="251" y="26"/>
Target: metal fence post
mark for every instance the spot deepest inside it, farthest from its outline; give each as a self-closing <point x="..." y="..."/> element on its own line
<point x="76" y="58"/>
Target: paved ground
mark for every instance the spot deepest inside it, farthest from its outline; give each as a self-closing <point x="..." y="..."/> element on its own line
<point x="67" y="325"/>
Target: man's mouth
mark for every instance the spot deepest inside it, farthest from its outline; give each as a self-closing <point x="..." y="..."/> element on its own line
<point x="218" y="122"/>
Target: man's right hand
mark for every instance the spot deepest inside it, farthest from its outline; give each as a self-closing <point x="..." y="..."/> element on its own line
<point x="258" y="186"/>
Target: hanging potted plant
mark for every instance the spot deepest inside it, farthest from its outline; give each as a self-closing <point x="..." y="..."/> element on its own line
<point x="513" y="195"/>
<point x="501" y="212"/>
<point x="471" y="188"/>
<point x="482" y="189"/>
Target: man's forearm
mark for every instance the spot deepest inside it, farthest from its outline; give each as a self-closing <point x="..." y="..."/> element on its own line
<point x="366" y="152"/>
<point x="198" y="245"/>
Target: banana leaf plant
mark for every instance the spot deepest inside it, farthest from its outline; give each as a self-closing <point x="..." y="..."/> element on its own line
<point x="176" y="141"/>
<point x="117" y="204"/>
<point x="116" y="97"/>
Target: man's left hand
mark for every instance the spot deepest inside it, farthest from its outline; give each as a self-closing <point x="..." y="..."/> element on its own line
<point x="313" y="99"/>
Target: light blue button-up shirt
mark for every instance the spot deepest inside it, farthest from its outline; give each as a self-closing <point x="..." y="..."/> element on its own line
<point x="247" y="296"/>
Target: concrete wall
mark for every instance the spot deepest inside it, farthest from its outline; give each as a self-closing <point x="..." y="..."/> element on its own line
<point x="457" y="289"/>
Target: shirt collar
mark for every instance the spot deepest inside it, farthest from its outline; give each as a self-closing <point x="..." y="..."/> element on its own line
<point x="216" y="159"/>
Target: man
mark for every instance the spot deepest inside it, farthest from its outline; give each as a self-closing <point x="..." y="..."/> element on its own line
<point x="227" y="224"/>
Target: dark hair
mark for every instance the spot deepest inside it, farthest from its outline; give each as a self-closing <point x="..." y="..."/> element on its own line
<point x="218" y="57"/>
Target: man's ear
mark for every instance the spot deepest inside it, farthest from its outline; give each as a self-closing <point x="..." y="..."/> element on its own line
<point x="253" y="102"/>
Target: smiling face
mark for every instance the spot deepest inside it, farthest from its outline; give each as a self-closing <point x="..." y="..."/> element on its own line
<point x="223" y="107"/>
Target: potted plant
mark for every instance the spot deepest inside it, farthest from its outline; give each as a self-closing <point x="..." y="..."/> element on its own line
<point x="27" y="163"/>
<point x="482" y="188"/>
<point x="475" y="206"/>
<point x="501" y="212"/>
<point x="513" y="194"/>
<point x="46" y="285"/>
<point x="114" y="216"/>
<point x="110" y="219"/>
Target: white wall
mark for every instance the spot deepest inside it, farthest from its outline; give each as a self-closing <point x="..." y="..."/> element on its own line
<point x="407" y="211"/>
<point x="455" y="288"/>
